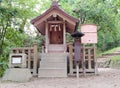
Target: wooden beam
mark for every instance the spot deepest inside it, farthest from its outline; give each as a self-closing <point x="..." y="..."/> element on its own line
<point x="50" y="14"/>
<point x="55" y="22"/>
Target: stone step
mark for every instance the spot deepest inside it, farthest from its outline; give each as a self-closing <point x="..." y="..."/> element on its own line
<point x="56" y="48"/>
<point x="53" y="55"/>
<point x="53" y="65"/>
<point x="53" y="58"/>
<point x="50" y="60"/>
<point x="52" y="72"/>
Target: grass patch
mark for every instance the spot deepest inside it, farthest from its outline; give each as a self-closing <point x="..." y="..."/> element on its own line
<point x="116" y="58"/>
<point x="109" y="51"/>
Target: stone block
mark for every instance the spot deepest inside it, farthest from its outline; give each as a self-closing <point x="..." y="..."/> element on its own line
<point x="17" y="74"/>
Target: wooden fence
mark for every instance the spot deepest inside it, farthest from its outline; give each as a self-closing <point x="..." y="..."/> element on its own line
<point x="32" y="57"/>
<point x="87" y="62"/>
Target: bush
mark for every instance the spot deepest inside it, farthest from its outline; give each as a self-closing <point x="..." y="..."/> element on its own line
<point x="3" y="64"/>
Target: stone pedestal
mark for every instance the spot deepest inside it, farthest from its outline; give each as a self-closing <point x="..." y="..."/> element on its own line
<point x="53" y="65"/>
<point x="17" y="74"/>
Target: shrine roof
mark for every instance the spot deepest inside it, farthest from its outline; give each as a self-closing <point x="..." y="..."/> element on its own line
<point x="39" y="22"/>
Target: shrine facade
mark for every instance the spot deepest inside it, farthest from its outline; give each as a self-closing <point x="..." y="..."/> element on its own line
<point x="53" y="24"/>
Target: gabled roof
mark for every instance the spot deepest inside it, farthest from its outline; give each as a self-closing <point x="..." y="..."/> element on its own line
<point x="39" y="22"/>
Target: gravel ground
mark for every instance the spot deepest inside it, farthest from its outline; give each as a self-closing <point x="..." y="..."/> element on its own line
<point x="107" y="78"/>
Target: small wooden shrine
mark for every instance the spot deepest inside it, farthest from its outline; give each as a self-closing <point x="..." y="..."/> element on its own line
<point x="54" y="24"/>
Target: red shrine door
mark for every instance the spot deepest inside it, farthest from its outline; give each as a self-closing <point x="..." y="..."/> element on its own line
<point x="56" y="38"/>
<point x="55" y="34"/>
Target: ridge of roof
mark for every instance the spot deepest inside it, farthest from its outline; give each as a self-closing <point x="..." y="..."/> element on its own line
<point x="54" y="5"/>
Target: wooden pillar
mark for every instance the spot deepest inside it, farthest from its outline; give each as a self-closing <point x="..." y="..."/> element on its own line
<point x="64" y="35"/>
<point x="46" y="37"/>
<point x="35" y="59"/>
<point x="95" y="61"/>
<point x="71" y="58"/>
<point x="89" y="58"/>
<point x="43" y="49"/>
<point x="29" y="59"/>
<point x="77" y="70"/>
<point x="83" y="62"/>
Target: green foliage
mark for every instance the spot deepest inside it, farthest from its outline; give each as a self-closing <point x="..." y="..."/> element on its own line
<point x="3" y="64"/>
<point x="69" y="38"/>
<point x="111" y="50"/>
<point x="39" y="39"/>
<point x="103" y="13"/>
<point x="13" y="19"/>
<point x="116" y="58"/>
<point x="13" y="38"/>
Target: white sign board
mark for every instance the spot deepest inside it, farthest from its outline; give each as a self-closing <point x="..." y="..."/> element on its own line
<point x="89" y="28"/>
<point x="89" y="38"/>
<point x="16" y="60"/>
<point x="90" y="33"/>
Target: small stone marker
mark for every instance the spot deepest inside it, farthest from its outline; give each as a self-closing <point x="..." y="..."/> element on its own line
<point x="17" y="70"/>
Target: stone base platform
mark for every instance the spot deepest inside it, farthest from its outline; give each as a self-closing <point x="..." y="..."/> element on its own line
<point x="17" y="74"/>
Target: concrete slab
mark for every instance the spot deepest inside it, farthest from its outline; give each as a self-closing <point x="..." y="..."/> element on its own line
<point x="17" y="74"/>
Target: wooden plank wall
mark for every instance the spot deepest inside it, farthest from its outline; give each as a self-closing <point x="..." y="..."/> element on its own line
<point x="32" y="58"/>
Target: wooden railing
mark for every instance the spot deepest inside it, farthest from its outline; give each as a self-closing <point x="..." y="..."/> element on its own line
<point x="87" y="62"/>
<point x="32" y="57"/>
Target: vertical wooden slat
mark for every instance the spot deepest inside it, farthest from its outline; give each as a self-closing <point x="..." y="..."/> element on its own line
<point x="83" y="63"/>
<point x="29" y="59"/>
<point x="17" y="50"/>
<point x="23" y="51"/>
<point x="89" y="58"/>
<point x="71" y="58"/>
<point x="35" y="59"/>
<point x="42" y="49"/>
<point x="95" y="61"/>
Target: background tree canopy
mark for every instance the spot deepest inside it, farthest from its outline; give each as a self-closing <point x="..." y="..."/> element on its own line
<point x="15" y="16"/>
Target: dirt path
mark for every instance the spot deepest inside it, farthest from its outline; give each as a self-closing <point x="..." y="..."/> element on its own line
<point x="107" y="78"/>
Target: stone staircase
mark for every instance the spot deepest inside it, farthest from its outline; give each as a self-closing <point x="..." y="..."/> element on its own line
<point x="53" y="65"/>
<point x="59" y="48"/>
<point x="105" y="60"/>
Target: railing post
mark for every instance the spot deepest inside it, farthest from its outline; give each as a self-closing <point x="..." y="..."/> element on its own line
<point x="95" y="61"/>
<point x="71" y="58"/>
<point x="35" y="48"/>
